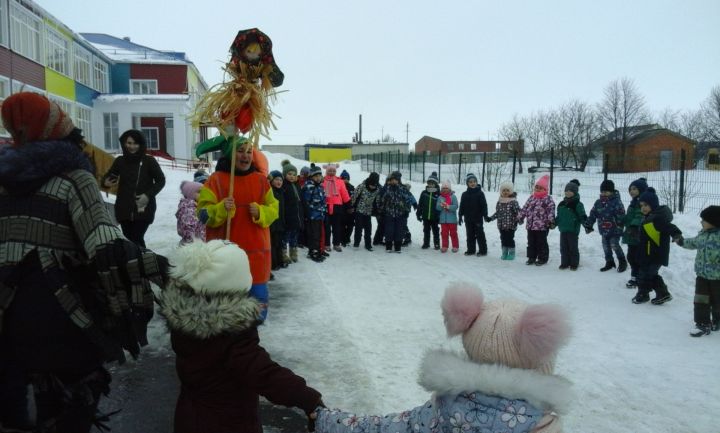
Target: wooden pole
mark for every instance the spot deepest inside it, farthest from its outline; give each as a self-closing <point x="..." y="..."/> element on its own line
<point x="231" y="190"/>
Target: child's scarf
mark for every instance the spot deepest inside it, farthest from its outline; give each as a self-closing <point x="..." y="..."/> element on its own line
<point x="448" y="197"/>
<point x="540" y="194"/>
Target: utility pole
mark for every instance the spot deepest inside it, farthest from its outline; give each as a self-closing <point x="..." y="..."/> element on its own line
<point x="407" y="132"/>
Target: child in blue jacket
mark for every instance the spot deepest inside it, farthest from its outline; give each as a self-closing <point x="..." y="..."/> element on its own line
<point x="609" y="213"/>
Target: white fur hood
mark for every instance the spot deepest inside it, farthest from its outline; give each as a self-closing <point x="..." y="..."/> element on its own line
<point x="444" y="372"/>
<point x="204" y="316"/>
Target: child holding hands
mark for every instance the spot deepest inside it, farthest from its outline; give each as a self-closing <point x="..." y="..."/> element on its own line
<point x="539" y="210"/>
<point x="447" y="205"/>
<point x="706" y="307"/>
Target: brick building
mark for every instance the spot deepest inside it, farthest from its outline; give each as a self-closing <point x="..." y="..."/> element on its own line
<point x="434" y="145"/>
<point x="648" y="148"/>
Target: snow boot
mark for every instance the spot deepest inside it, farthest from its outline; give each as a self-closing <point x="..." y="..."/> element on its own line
<point x="504" y="255"/>
<point x="425" y="246"/>
<point x="469" y="253"/>
<point x="622" y="265"/>
<point x="316" y="256"/>
<point x="293" y="254"/>
<point x="662" y="293"/>
<point x="609" y="264"/>
<point x="632" y="283"/>
<point x="285" y="257"/>
<point x="511" y="254"/>
<point x="716" y="325"/>
<point x="643" y="293"/>
<point x="701" y="329"/>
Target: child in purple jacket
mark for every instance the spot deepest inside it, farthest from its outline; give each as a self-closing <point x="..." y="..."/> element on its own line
<point x="188" y="225"/>
<point x="539" y="210"/>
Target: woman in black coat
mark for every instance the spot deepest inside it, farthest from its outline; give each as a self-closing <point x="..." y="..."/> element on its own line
<point x="139" y="179"/>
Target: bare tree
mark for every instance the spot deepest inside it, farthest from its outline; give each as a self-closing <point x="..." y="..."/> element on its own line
<point x="536" y="133"/>
<point x="571" y="129"/>
<point x="515" y="131"/>
<point x="669" y="119"/>
<point x="692" y="125"/>
<point x="711" y="115"/>
<point x="622" y="108"/>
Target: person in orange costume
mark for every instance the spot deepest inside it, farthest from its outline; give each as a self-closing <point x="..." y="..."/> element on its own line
<point x="252" y="208"/>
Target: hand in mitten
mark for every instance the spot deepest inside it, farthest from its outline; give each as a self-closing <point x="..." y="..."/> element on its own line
<point x="204" y="216"/>
<point x="678" y="239"/>
<point x="419" y="218"/>
<point x="141" y="201"/>
<point x="552" y="226"/>
<point x="487" y="219"/>
<point x="460" y="221"/>
<point x="588" y="229"/>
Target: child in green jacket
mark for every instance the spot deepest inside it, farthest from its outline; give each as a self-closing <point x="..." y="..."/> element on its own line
<point x="706" y="307"/>
<point x="631" y="234"/>
<point x="570" y="216"/>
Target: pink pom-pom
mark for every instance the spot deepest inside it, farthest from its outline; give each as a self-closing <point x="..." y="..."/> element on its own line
<point x="541" y="331"/>
<point x="461" y="305"/>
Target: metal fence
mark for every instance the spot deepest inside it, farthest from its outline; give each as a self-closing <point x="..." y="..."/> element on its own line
<point x="683" y="190"/>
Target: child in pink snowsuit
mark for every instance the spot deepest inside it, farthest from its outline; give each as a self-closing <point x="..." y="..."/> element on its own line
<point x="188" y="225"/>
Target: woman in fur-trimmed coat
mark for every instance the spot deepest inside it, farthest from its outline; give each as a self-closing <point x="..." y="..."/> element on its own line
<point x="213" y="327"/>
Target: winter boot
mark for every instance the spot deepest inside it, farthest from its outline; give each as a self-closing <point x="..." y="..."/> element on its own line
<point x="609" y="264"/>
<point x="293" y="254"/>
<point x="285" y="257"/>
<point x="511" y="254"/>
<point x="632" y="283"/>
<point x="701" y="329"/>
<point x="425" y="246"/>
<point x="662" y="294"/>
<point x="316" y="256"/>
<point x="504" y="253"/>
<point x="716" y="325"/>
<point x="643" y="293"/>
<point x="530" y="262"/>
<point x="622" y="265"/>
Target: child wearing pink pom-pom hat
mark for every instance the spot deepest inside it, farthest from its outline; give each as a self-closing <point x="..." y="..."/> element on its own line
<point x="504" y="381"/>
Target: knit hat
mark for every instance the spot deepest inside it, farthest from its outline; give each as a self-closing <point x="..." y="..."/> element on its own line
<point x="446" y="184"/>
<point x="373" y="179"/>
<point x="274" y="174"/>
<point x="305" y="171"/>
<point x="508" y="332"/>
<point x="395" y="175"/>
<point x="189" y="188"/>
<point x="287" y="167"/>
<point x="470" y="176"/>
<point x="315" y="170"/>
<point x="640" y="184"/>
<point x="650" y="198"/>
<point x="572" y="186"/>
<point x="32" y="117"/>
<point x="345" y="175"/>
<point x="607" y="185"/>
<point x="200" y="176"/>
<point x="507" y="185"/>
<point x="544" y="182"/>
<point x="331" y="166"/>
<point x="711" y="214"/>
<point x="433" y="178"/>
<point x="212" y="267"/>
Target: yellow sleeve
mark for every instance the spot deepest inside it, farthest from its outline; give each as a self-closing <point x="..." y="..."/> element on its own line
<point x="269" y="210"/>
<point x="217" y="215"/>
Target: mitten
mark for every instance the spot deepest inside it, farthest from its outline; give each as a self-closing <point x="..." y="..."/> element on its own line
<point x="203" y="216"/>
<point x="552" y="226"/>
<point x="419" y="218"/>
<point x="141" y="201"/>
<point x="588" y="229"/>
<point x="487" y="219"/>
<point x="678" y="240"/>
<point x="460" y="221"/>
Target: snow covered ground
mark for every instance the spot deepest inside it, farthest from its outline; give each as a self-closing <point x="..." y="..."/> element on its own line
<point x="357" y="325"/>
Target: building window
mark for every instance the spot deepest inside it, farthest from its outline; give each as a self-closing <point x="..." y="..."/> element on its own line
<point x="81" y="70"/>
<point x="3" y="23"/>
<point x="57" y="52"/>
<point x="473" y="146"/>
<point x="152" y="137"/>
<point x="25" y="30"/>
<point x="83" y="120"/>
<point x="4" y="93"/>
<point x="461" y="146"/>
<point x="143" y="87"/>
<point x="498" y="146"/>
<point x="100" y="76"/>
<point x="112" y="134"/>
<point x="64" y="104"/>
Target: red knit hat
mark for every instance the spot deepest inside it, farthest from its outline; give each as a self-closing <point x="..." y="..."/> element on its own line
<point x="32" y="117"/>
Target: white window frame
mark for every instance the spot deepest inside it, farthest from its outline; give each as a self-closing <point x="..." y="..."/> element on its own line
<point x="101" y="76"/>
<point x="4" y="21"/>
<point x="461" y="146"/>
<point x="498" y="146"/>
<point x="148" y="131"/>
<point x="82" y="65"/>
<point x="473" y="146"/>
<point x="111" y="132"/>
<point x="26" y="30"/>
<point x="143" y="87"/>
<point x="83" y="119"/>
<point x="4" y="93"/>
<point x="19" y="86"/>
<point x="57" y="51"/>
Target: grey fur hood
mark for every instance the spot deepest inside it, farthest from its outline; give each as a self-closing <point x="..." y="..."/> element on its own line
<point x="205" y="316"/>
<point x="444" y="372"/>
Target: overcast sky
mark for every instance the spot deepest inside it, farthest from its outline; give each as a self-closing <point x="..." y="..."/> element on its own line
<point x="455" y="70"/>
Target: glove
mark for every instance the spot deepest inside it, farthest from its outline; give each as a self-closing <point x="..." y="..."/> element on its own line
<point x="141" y="201"/>
<point x="460" y="221"/>
<point x="678" y="239"/>
<point x="204" y="216"/>
<point x="552" y="226"/>
<point x="487" y="219"/>
<point x="588" y="229"/>
<point x="419" y="218"/>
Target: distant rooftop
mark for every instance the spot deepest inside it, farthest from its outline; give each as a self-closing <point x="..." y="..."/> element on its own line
<point x="123" y="50"/>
